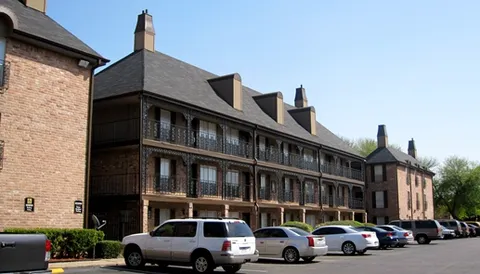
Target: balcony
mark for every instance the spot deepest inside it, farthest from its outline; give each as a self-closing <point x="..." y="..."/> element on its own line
<point x="266" y="194"/>
<point x="275" y="155"/>
<point x="310" y="198"/>
<point x="290" y="196"/>
<point x="356" y="203"/>
<point x="167" y="185"/>
<point x="117" y="132"/>
<point x="340" y="201"/>
<point x="179" y="135"/>
<point x="115" y="185"/>
<point x="342" y="171"/>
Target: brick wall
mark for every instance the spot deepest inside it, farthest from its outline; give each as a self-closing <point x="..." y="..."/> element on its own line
<point x="44" y="125"/>
<point x="393" y="193"/>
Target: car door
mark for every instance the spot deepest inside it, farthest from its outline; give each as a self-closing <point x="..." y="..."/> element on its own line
<point x="277" y="241"/>
<point x="261" y="236"/>
<point x="160" y="245"/>
<point x="184" y="241"/>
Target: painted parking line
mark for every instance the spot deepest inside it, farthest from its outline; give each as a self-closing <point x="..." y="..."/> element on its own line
<point x="176" y="269"/>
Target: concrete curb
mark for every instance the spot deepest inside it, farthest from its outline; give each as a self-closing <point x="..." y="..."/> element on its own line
<point x="61" y="267"/>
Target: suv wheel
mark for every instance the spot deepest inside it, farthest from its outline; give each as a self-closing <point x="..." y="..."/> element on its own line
<point x="422" y="239"/>
<point x="134" y="258"/>
<point x="202" y="264"/>
<point x="232" y="268"/>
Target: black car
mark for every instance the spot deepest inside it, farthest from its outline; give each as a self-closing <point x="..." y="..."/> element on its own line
<point x="385" y="238"/>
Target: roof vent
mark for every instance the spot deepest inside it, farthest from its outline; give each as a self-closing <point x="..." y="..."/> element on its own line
<point x="271" y="104"/>
<point x="229" y="88"/>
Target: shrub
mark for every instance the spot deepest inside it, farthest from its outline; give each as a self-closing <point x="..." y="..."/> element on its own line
<point x="350" y="223"/>
<point x="66" y="243"/>
<point x="304" y="226"/>
<point x="108" y="249"/>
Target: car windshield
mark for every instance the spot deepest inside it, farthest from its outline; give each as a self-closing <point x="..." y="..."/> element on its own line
<point x="299" y="232"/>
<point x="359" y="229"/>
<point x="239" y="229"/>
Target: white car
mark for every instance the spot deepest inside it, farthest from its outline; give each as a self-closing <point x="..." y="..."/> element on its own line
<point x="289" y="243"/>
<point x="347" y="239"/>
<point x="203" y="244"/>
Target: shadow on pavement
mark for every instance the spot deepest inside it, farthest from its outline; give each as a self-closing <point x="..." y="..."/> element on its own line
<point x="281" y="261"/>
<point x="150" y="269"/>
<point x="343" y="255"/>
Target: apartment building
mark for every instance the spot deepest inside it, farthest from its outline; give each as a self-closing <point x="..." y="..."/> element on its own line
<point x="173" y="140"/>
<point x="45" y="105"/>
<point x="398" y="186"/>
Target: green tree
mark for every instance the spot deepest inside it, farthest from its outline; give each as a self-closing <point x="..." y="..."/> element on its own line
<point x="365" y="146"/>
<point x="429" y="162"/>
<point x="457" y="187"/>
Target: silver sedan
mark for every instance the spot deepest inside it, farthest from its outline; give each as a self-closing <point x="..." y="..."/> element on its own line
<point x="289" y="243"/>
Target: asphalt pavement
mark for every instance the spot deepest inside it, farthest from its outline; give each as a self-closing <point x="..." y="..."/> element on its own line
<point x="439" y="257"/>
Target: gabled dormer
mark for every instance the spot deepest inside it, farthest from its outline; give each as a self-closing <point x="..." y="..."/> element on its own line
<point x="229" y="88"/>
<point x="271" y="104"/>
<point x="306" y="117"/>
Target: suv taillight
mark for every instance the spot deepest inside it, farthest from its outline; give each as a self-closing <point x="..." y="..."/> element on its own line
<point x="227" y="246"/>
<point x="48" y="246"/>
<point x="310" y="241"/>
<point x="438" y="230"/>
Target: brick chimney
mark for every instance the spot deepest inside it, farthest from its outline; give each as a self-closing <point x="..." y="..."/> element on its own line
<point x="382" y="136"/>
<point x="412" y="151"/>
<point x="144" y="32"/>
<point x="40" y="5"/>
<point x="300" y="97"/>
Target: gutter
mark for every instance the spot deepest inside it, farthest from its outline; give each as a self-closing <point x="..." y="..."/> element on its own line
<point x="86" y="203"/>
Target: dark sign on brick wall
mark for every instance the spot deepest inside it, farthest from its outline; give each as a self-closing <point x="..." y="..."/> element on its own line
<point x="78" y="207"/>
<point x="29" y="204"/>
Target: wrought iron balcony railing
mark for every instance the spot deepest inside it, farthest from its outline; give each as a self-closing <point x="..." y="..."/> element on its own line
<point x="275" y="155"/>
<point x="115" y="185"/>
<point x="356" y="203"/>
<point x="116" y="132"/>
<point x="342" y="171"/>
<point x="266" y="194"/>
<point x="167" y="185"/>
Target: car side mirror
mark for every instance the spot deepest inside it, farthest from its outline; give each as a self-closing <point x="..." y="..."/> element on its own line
<point x="151" y="233"/>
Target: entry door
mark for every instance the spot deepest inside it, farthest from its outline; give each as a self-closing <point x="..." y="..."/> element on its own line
<point x="164" y="215"/>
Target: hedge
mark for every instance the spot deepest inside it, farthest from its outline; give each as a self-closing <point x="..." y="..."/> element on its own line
<point x="304" y="226"/>
<point x="108" y="249"/>
<point x="66" y="243"/>
<point x="350" y="223"/>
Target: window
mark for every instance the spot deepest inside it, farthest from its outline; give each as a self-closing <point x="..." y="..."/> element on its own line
<point x="3" y="45"/>
<point x="285" y="149"/>
<point x="378" y="173"/>
<point x="416" y="180"/>
<point x="288" y="217"/>
<point x="214" y="230"/>
<point x="164" y="168"/>
<point x="233" y="184"/>
<point x="186" y="229"/>
<point x="278" y="233"/>
<point x="395" y="223"/>
<point x="208" y="180"/>
<point x="165" y="230"/>
<point x="310" y="219"/>
<point x="409" y="200"/>
<point x="417" y="196"/>
<point x="165" y="119"/>
<point x="380" y="220"/>
<point x="232" y="177"/>
<point x="239" y="229"/>
<point x="425" y="202"/>
<point x="406" y="225"/>
<point x="262" y="233"/>
<point x="379" y="199"/>
<point x="288" y="190"/>
<point x="308" y="155"/>
<point x="299" y="232"/>
<point x="263" y="219"/>
<point x="425" y="224"/>
<point x="233" y="136"/>
<point x="262" y="143"/>
<point x="387" y="228"/>
<point x="208" y="130"/>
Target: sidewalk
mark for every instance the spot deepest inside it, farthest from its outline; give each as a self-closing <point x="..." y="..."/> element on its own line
<point x="59" y="267"/>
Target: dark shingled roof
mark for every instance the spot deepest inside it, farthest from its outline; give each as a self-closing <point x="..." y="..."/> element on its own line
<point x="166" y="76"/>
<point x="37" y="24"/>
<point x="384" y="155"/>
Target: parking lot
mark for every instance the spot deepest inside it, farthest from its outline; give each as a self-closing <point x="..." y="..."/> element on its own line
<point x="439" y="257"/>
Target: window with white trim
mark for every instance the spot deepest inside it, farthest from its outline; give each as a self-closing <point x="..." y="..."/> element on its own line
<point x="262" y="143"/>
<point x="164" y="168"/>
<point x="378" y="173"/>
<point x="208" y="130"/>
<point x="233" y="136"/>
<point x="165" y="119"/>
<point x="285" y="149"/>
<point x="208" y="180"/>
<point x="379" y="202"/>
<point x="233" y="177"/>
<point x="308" y="155"/>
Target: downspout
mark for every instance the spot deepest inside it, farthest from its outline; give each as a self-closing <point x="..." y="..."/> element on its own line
<point x="255" y="190"/>
<point x="89" y="146"/>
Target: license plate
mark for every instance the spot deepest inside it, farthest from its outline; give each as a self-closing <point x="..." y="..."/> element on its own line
<point x="244" y="249"/>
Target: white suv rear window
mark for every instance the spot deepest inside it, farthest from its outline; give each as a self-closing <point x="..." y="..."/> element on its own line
<point x="226" y="229"/>
<point x="239" y="229"/>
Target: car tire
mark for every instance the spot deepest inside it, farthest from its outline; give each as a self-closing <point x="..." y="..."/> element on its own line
<point x="361" y="252"/>
<point x="232" y="268"/>
<point x="309" y="259"/>
<point x="401" y="245"/>
<point x="422" y="239"/>
<point x="290" y="255"/>
<point x="134" y="258"/>
<point x="349" y="248"/>
<point x="162" y="266"/>
<point x="202" y="263"/>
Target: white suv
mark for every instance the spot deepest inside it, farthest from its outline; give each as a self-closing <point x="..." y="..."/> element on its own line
<point x="203" y="243"/>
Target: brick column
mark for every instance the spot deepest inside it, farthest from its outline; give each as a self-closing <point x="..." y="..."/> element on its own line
<point x="226" y="208"/>
<point x="145" y="205"/>
<point x="353" y="216"/>
<point x="303" y="213"/>
<point x="339" y="215"/>
<point x="281" y="213"/>
<point x="365" y="217"/>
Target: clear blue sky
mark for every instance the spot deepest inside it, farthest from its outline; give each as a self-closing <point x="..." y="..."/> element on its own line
<point x="412" y="65"/>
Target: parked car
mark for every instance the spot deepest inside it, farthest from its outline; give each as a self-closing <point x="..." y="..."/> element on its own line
<point x="24" y="253"/>
<point x="448" y="233"/>
<point x="400" y="232"/>
<point x="203" y="244"/>
<point x="472" y="230"/>
<point x="347" y="239"/>
<point x="385" y="238"/>
<point x="476" y="225"/>
<point x="465" y="230"/>
<point x="424" y="231"/>
<point x="289" y="243"/>
<point x="453" y="225"/>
